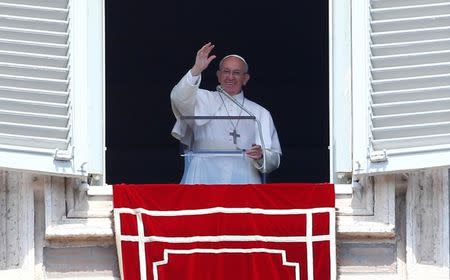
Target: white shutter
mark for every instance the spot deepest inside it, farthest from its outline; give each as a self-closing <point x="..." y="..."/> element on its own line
<point x="403" y="49"/>
<point x="340" y="91"/>
<point x="37" y="92"/>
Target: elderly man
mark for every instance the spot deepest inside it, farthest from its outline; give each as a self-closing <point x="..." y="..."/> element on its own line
<point x="235" y="133"/>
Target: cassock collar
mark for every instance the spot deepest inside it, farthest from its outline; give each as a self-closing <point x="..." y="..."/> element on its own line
<point x="239" y="97"/>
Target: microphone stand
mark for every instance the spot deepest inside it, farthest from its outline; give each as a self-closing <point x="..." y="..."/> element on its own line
<point x="221" y="90"/>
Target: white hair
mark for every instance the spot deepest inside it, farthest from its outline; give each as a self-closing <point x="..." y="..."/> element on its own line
<point x="237" y="56"/>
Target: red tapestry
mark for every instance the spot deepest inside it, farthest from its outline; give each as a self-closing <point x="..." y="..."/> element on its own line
<point x="237" y="232"/>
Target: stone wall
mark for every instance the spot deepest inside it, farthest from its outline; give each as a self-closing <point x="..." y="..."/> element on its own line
<point x="51" y="228"/>
<point x="406" y="236"/>
<point x="389" y="227"/>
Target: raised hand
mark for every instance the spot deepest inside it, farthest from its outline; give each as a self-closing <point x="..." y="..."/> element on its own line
<point x="202" y="59"/>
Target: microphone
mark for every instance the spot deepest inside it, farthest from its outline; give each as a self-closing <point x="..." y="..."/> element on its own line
<point x="220" y="89"/>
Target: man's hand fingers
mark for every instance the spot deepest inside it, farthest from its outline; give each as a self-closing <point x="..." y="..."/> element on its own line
<point x="255" y="152"/>
<point x="211" y="58"/>
<point x="202" y="59"/>
<point x="205" y="50"/>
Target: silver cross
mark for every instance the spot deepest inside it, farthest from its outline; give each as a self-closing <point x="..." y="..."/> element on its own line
<point x="235" y="136"/>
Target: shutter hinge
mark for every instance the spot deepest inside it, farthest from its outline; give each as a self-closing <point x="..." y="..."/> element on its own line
<point x="64" y="155"/>
<point x="378" y="156"/>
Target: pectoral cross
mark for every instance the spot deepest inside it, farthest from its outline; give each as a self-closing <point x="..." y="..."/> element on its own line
<point x="235" y="136"/>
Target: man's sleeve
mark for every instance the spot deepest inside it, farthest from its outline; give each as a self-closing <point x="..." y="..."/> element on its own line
<point x="183" y="95"/>
<point x="272" y="161"/>
<point x="272" y="153"/>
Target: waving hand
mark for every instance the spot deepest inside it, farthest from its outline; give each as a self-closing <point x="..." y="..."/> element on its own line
<point x="202" y="59"/>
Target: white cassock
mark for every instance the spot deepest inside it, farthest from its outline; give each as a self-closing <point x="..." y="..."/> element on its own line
<point x="217" y="135"/>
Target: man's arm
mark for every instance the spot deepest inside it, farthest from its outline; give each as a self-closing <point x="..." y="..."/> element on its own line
<point x="183" y="94"/>
<point x="272" y="158"/>
<point x="272" y="152"/>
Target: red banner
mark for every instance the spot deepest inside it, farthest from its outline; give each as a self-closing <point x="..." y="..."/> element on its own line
<point x="238" y="232"/>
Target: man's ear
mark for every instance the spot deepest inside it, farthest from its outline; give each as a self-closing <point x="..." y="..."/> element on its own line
<point x="246" y="78"/>
<point x="217" y="74"/>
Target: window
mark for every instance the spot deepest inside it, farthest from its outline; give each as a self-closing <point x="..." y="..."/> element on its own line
<point x="400" y="85"/>
<point x="51" y="86"/>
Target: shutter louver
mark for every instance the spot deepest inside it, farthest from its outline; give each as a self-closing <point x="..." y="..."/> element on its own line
<point x="410" y="74"/>
<point x="34" y="74"/>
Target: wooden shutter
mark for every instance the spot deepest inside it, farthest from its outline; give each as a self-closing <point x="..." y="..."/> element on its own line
<point x="34" y="74"/>
<point x="408" y="89"/>
<point x="51" y="86"/>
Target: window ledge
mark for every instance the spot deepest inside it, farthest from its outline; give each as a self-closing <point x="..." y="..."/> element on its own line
<point x="365" y="229"/>
<point x="343" y="189"/>
<point x="100" y="190"/>
<point x="93" y="229"/>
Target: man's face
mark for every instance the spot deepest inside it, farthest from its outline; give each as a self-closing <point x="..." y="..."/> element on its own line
<point x="232" y="75"/>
